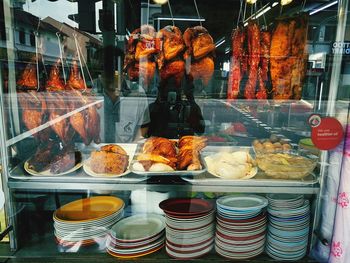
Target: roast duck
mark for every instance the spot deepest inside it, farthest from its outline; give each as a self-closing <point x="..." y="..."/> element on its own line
<point x="54" y="158"/>
<point x="58" y="100"/>
<point x="139" y="61"/>
<point x="170" y="57"/>
<point x="271" y="63"/>
<point x="161" y="154"/>
<point x="199" y="54"/>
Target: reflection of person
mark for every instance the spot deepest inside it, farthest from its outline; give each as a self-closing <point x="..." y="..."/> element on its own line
<point x="133" y="113"/>
<point x="172" y="117"/>
<point x="126" y="113"/>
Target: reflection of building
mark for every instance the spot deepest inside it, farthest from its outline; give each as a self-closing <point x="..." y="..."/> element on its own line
<point x="88" y="43"/>
<point x="25" y="26"/>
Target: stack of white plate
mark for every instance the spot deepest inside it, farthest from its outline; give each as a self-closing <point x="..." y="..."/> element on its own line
<point x="288" y="229"/>
<point x="285" y="201"/>
<point x="86" y="221"/>
<point x="241" y="226"/>
<point x="136" y="236"/>
<point x="190" y="227"/>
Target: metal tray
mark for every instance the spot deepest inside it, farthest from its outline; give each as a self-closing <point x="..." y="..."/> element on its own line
<point x="261" y="179"/>
<point x="182" y="173"/>
<point x="167" y="173"/>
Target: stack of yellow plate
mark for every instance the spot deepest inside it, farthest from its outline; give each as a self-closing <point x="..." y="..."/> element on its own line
<point x="87" y="221"/>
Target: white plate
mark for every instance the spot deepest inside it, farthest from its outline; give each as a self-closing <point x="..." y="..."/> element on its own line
<point x="249" y="175"/>
<point x="138" y="227"/>
<point x="242" y="203"/>
<point x="47" y="172"/>
<point x="189" y="255"/>
<point x="130" y="149"/>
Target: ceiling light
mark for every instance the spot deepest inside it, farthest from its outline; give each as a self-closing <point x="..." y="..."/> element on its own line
<point x="251" y="1"/>
<point x="274" y="4"/>
<point x="323" y="7"/>
<point x="160" y="2"/>
<point x="286" y="2"/>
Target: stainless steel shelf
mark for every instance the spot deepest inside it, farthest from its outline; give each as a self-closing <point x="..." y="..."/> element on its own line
<point x="110" y="186"/>
<point x="45" y="250"/>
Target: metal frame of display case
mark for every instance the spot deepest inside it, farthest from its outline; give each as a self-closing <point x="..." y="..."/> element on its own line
<point x="11" y="185"/>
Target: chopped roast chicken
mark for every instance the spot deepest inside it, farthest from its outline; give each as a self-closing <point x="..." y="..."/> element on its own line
<point x="188" y="155"/>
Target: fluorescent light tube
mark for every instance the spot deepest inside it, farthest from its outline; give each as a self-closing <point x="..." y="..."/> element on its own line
<point x="180" y="19"/>
<point x="263" y="11"/>
<point x="220" y="43"/>
<point x="323" y="7"/>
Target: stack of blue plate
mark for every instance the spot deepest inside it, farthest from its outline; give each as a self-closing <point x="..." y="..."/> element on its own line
<point x="288" y="228"/>
<point x="241" y="226"/>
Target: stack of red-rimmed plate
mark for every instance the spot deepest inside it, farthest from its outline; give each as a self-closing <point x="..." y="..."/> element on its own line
<point x="241" y="226"/>
<point x="190" y="227"/>
<point x="87" y="221"/>
<point x="136" y="236"/>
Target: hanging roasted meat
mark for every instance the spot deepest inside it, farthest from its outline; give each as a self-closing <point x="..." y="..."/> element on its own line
<point x="199" y="54"/>
<point x="299" y="56"/>
<point x="236" y="73"/>
<point x="57" y="107"/>
<point x="139" y="59"/>
<point x="28" y="80"/>
<point x="93" y="124"/>
<point x="262" y="92"/>
<point x="54" y="82"/>
<point x="75" y="80"/>
<point x="79" y="119"/>
<point x="199" y="42"/>
<point x="265" y="43"/>
<point x="253" y="32"/>
<point x="170" y="61"/>
<point x="146" y="43"/>
<point x="85" y="122"/>
<point x="263" y="77"/>
<point x="288" y="57"/>
<point x="202" y="69"/>
<point x="34" y="113"/>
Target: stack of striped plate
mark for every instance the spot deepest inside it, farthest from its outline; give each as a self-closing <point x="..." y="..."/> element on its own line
<point x="190" y="227"/>
<point x="241" y="226"/>
<point x="136" y="236"/>
<point x="288" y="229"/>
<point x="86" y="221"/>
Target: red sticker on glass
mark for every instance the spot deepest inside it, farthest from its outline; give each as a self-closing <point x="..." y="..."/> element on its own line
<point x="327" y="134"/>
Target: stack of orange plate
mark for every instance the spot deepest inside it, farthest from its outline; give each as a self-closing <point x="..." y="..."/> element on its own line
<point x="86" y="221"/>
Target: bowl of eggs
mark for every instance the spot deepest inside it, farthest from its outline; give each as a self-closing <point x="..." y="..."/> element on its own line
<point x="277" y="158"/>
<point x="274" y="144"/>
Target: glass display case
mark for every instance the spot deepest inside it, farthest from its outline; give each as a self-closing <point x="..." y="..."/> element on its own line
<point x="173" y="129"/>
